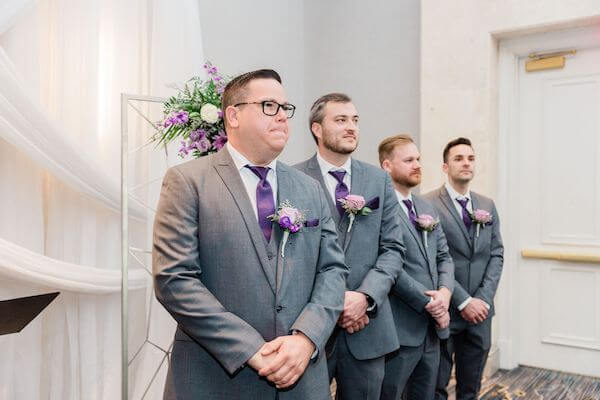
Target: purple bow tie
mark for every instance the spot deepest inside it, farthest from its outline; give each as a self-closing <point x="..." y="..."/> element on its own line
<point x="465" y="213"/>
<point x="411" y="212"/>
<point x="265" y="204"/>
<point x="341" y="190"/>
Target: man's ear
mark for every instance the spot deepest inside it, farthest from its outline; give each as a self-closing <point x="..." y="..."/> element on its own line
<point x="317" y="130"/>
<point x="445" y="168"/>
<point x="387" y="165"/>
<point x="231" y="116"/>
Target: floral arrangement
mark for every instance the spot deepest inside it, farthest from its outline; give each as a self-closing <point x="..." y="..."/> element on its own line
<point x="481" y="218"/>
<point x="426" y="224"/>
<point x="290" y="220"/>
<point x="194" y="115"/>
<point x="355" y="204"/>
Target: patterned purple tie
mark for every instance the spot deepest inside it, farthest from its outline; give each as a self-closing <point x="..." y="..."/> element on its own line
<point x="465" y="213"/>
<point x="411" y="212"/>
<point x="341" y="190"/>
<point x="265" y="205"/>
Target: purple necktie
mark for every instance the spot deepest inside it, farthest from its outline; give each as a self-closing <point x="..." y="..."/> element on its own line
<point x="265" y="205"/>
<point x="411" y="213"/>
<point x="465" y="213"/>
<point x="341" y="190"/>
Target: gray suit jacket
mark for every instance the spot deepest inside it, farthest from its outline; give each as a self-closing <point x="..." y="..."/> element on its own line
<point x="374" y="253"/>
<point x="430" y="268"/>
<point x="478" y="260"/>
<point x="213" y="274"/>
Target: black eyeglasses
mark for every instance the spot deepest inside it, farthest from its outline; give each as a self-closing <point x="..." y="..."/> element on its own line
<point x="271" y="108"/>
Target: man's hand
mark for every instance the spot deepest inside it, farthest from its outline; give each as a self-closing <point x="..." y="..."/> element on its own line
<point x="443" y="321"/>
<point x="476" y="311"/>
<point x="292" y="354"/>
<point x="440" y="303"/>
<point x="358" y="325"/>
<point x="258" y="361"/>
<point x="355" y="307"/>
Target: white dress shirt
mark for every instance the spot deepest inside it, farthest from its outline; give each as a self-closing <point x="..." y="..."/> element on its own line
<point x="250" y="180"/>
<point x="455" y="196"/>
<point x="401" y="197"/>
<point x="330" y="181"/>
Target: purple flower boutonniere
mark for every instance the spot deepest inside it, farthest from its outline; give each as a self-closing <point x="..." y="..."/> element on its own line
<point x="290" y="219"/>
<point x="481" y="218"/>
<point x="426" y="224"/>
<point x="355" y="204"/>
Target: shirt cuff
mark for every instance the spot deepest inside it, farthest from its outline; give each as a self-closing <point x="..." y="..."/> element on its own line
<point x="465" y="303"/>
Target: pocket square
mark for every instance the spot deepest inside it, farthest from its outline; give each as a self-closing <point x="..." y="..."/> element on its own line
<point x="311" y="222"/>
<point x="373" y="204"/>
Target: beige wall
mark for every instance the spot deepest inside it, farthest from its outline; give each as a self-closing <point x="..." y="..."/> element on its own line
<point x="459" y="41"/>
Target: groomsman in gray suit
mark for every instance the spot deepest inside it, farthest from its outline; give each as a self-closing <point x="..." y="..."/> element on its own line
<point x="372" y="245"/>
<point x="477" y="252"/>
<point x="253" y="316"/>
<point x="421" y="315"/>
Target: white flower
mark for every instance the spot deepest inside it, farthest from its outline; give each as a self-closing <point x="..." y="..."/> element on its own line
<point x="209" y="113"/>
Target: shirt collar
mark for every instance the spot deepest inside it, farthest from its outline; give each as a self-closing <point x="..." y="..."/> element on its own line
<point x="454" y="194"/>
<point x="401" y="197"/>
<point x="327" y="166"/>
<point x="240" y="161"/>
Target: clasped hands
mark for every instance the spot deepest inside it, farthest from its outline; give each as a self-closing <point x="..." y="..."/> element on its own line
<point x="438" y="306"/>
<point x="283" y="359"/>
<point x="354" y="316"/>
<point x="476" y="311"/>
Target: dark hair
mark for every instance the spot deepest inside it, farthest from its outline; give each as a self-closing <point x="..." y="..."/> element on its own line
<point x="387" y="146"/>
<point x="317" y="111"/>
<point x="455" y="142"/>
<point x="236" y="90"/>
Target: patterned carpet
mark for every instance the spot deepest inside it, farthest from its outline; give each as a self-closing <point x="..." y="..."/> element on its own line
<point x="527" y="383"/>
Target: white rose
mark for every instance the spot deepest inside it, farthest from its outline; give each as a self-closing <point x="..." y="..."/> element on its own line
<point x="209" y="113"/>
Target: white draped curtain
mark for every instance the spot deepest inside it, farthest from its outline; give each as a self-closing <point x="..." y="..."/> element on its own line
<point x="63" y="66"/>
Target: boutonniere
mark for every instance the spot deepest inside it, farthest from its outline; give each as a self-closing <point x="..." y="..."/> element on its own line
<point x="426" y="224"/>
<point x="355" y="204"/>
<point x="481" y="218"/>
<point x="290" y="219"/>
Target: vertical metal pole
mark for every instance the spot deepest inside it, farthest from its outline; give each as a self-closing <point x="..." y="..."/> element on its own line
<point x="124" y="251"/>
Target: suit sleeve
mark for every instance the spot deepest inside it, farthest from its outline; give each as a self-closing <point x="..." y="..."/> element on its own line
<point x="319" y="316"/>
<point x="177" y="279"/>
<point x="445" y="265"/>
<point x="378" y="282"/>
<point x="493" y="271"/>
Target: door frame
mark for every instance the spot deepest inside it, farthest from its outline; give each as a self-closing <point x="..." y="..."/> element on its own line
<point x="511" y="46"/>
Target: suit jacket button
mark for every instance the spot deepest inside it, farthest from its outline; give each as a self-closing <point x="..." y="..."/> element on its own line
<point x="279" y="308"/>
<point x="270" y="256"/>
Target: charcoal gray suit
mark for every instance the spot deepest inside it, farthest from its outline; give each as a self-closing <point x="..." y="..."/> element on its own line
<point x="230" y="291"/>
<point x="478" y="265"/>
<point x="413" y="368"/>
<point x="374" y="254"/>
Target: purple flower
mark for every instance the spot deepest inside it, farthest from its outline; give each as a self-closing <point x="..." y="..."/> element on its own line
<point x="182" y="116"/>
<point x="197" y="135"/>
<point x="294" y="228"/>
<point x="220" y="114"/>
<point x="183" y="150"/>
<point x="285" y="223"/>
<point x="219" y="141"/>
<point x="203" y="144"/>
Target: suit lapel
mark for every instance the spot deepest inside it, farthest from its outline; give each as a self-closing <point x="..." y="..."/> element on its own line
<point x="284" y="192"/>
<point x="413" y="231"/>
<point x="314" y="171"/>
<point x="357" y="187"/>
<point x="431" y="259"/>
<point x="231" y="178"/>
<point x="449" y="204"/>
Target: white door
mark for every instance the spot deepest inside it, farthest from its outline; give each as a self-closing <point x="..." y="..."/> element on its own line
<point x="555" y="191"/>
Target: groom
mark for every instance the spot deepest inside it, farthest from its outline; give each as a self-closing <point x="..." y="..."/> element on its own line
<point x="252" y="319"/>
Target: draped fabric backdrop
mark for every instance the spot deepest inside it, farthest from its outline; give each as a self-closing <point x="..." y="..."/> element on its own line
<point x="63" y="66"/>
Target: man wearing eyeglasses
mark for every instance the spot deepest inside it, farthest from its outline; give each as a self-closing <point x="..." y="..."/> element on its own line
<point x="372" y="244"/>
<point x="254" y="311"/>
